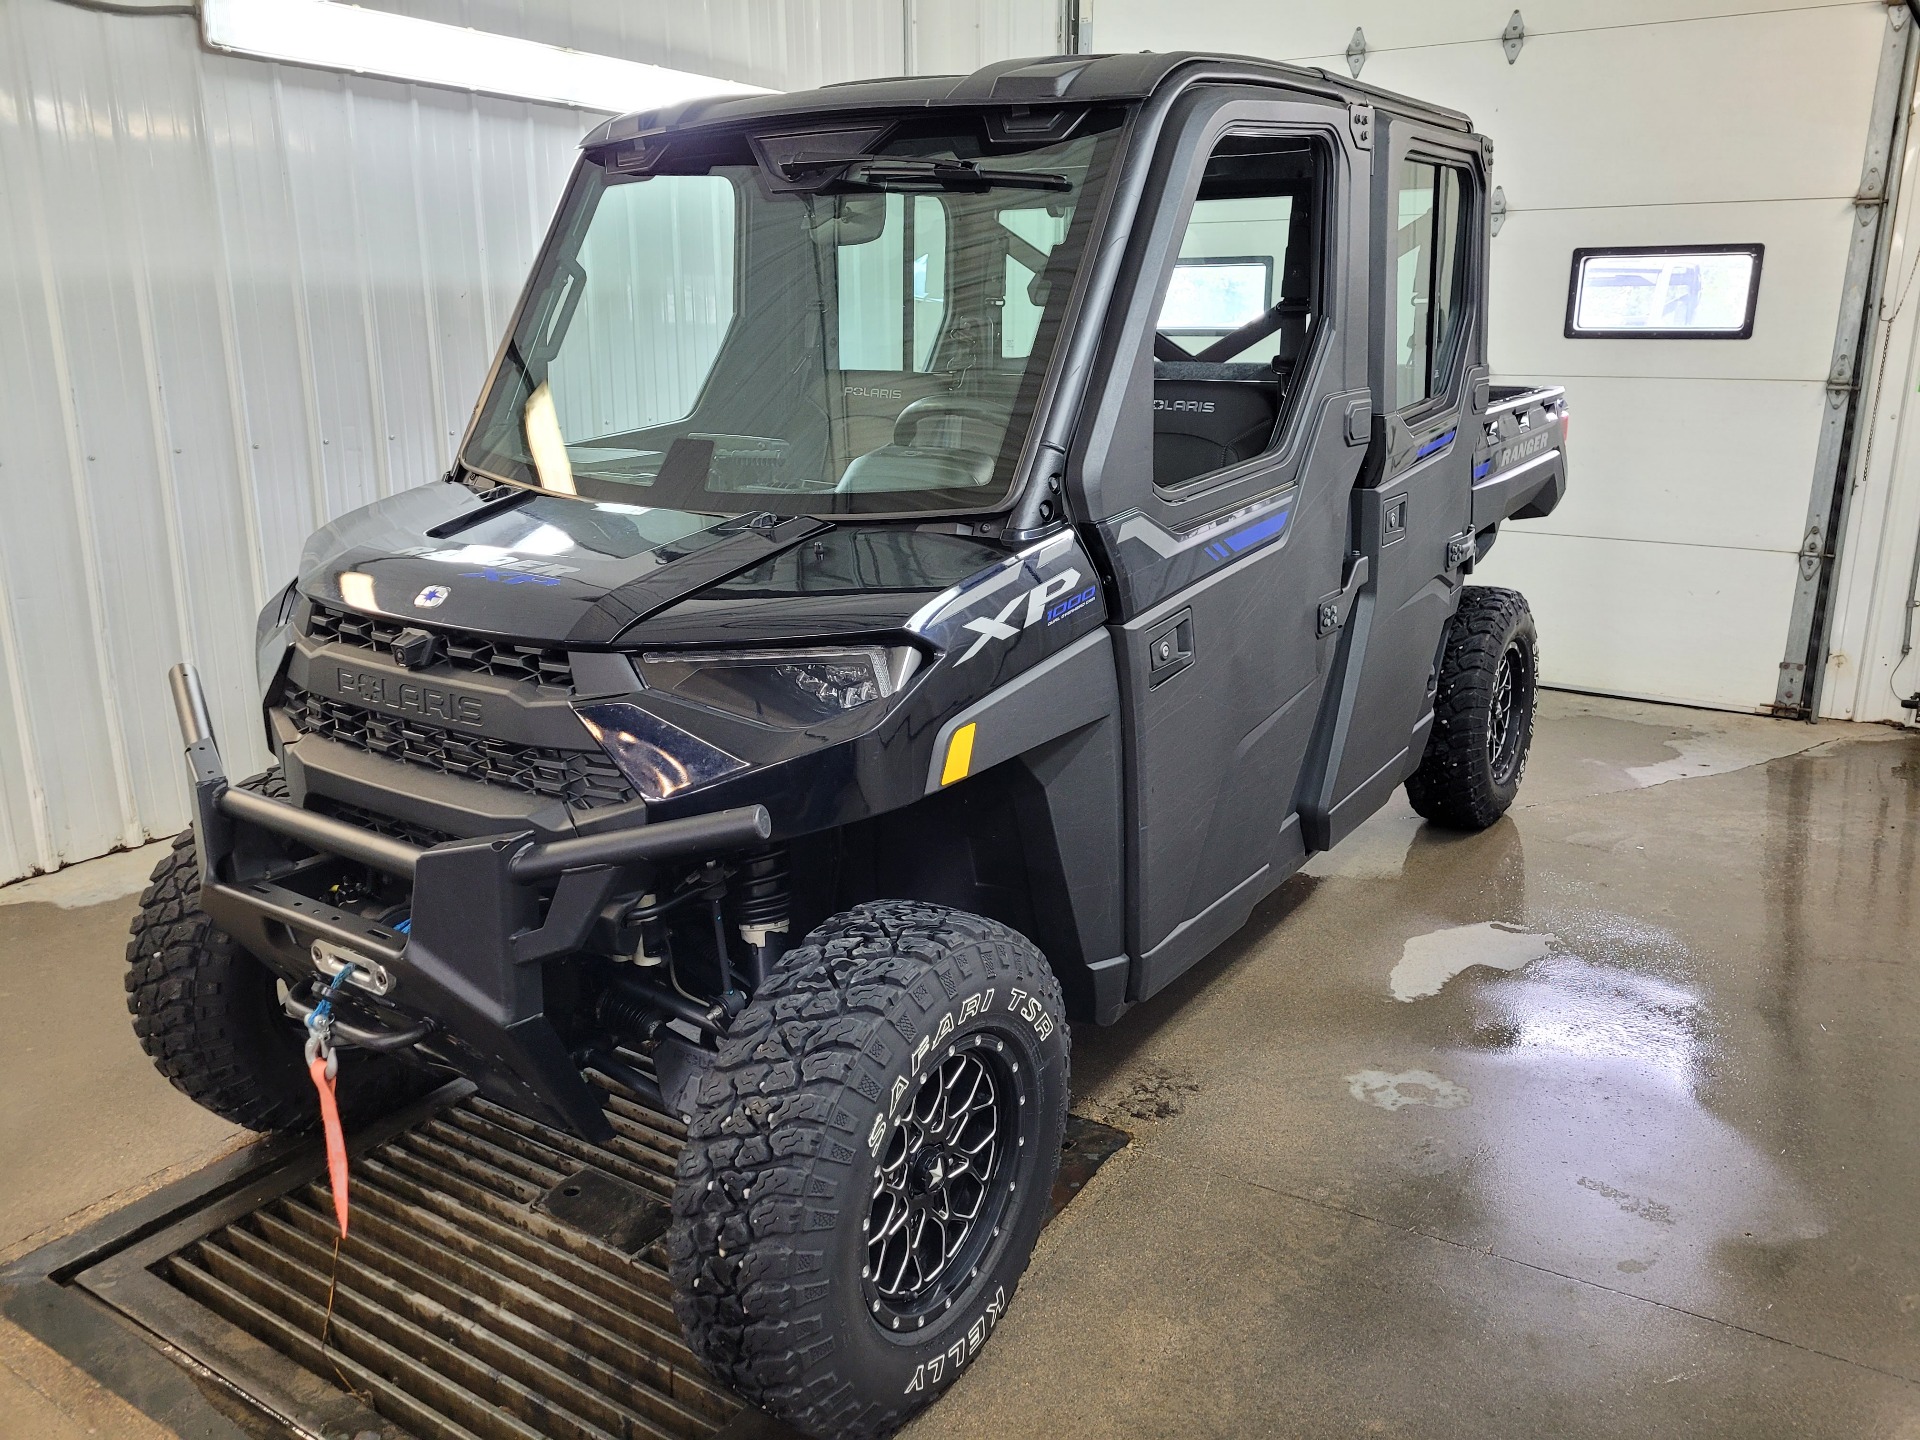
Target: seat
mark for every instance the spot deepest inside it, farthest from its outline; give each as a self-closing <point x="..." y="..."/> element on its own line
<point x="1209" y="415"/>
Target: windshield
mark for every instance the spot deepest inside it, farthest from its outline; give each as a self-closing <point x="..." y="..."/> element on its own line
<point x="859" y="328"/>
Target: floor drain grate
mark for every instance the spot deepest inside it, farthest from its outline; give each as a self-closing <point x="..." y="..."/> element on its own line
<point x="503" y="1280"/>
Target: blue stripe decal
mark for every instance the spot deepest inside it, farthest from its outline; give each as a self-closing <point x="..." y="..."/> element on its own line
<point x="1439" y="442"/>
<point x="1245" y="539"/>
<point x="1482" y="468"/>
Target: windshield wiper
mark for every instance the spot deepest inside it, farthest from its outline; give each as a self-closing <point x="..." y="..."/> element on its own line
<point x="889" y="172"/>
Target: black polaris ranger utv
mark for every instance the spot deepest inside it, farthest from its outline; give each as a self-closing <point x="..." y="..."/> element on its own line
<point x="929" y="557"/>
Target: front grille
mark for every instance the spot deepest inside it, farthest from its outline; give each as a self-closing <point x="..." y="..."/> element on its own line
<point x="388" y="825"/>
<point x="549" y="668"/>
<point x="584" y="779"/>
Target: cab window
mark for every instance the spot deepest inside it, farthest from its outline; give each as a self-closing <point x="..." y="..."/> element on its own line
<point x="1238" y="312"/>
<point x="1429" y="313"/>
<point x="1031" y="236"/>
<point x="892" y="287"/>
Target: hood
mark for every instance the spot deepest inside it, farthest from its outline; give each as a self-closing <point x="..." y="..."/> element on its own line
<point x="555" y="569"/>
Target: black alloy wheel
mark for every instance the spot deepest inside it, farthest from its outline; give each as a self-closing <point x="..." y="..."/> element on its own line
<point x="942" y="1183"/>
<point x="1510" y="710"/>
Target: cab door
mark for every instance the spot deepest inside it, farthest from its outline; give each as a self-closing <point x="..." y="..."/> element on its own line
<point x="1412" y="508"/>
<point x="1219" y="459"/>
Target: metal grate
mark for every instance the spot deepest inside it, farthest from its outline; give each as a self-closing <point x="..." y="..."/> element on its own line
<point x="545" y="666"/>
<point x="585" y="779"/>
<point x="472" y="1300"/>
<point x="460" y="1309"/>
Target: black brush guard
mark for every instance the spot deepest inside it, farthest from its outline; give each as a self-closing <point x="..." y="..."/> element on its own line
<point x="468" y="972"/>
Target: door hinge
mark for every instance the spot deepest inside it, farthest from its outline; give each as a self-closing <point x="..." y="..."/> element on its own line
<point x="1513" y="37"/>
<point x="1360" y="120"/>
<point x="1460" y="549"/>
<point x="1333" y="609"/>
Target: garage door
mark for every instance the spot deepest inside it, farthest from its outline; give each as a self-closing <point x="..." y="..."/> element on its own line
<point x="1672" y="570"/>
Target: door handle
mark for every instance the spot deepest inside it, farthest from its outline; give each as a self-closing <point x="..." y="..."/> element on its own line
<point x="1169" y="648"/>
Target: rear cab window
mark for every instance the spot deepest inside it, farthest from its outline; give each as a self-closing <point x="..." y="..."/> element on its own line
<point x="1429" y="281"/>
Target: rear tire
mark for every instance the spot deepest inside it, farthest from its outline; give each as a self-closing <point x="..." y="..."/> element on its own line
<point x="871" y="1163"/>
<point x="1482" y="713"/>
<point x="208" y="1015"/>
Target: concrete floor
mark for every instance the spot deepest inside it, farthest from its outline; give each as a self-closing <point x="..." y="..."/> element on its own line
<point x="1604" y="1122"/>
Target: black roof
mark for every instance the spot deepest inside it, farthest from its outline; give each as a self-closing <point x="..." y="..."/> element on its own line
<point x="1048" y="80"/>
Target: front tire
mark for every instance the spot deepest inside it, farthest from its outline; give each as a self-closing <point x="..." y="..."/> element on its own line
<point x="1482" y="712"/>
<point x="870" y="1165"/>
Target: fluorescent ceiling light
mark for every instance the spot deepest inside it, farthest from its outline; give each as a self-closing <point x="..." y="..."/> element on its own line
<point x="398" y="47"/>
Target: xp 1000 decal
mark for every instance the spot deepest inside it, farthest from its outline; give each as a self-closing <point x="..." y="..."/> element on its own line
<point x="1036" y="602"/>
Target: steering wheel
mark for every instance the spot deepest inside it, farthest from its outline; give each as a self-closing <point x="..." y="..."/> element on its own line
<point x="907" y="424"/>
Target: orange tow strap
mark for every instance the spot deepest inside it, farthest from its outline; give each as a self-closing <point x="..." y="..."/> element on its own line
<point x="336" y="1139"/>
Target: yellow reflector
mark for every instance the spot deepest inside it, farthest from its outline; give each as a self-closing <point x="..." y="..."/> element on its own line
<point x="959" y="755"/>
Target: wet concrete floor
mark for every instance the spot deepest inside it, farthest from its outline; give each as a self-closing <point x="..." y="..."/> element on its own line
<point x="1604" y="1122"/>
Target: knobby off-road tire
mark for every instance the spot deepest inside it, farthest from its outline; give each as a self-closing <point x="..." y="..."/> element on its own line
<point x="878" y="1052"/>
<point x="208" y="1015"/>
<point x="1483" y="713"/>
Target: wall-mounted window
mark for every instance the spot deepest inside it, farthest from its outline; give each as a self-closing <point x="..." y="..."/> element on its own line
<point x="1681" y="292"/>
<point x="1213" y="296"/>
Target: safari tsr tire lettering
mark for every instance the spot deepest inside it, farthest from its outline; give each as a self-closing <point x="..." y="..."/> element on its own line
<point x="870" y="1165"/>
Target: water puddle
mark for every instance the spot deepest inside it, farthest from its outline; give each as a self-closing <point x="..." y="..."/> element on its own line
<point x="1376" y="851"/>
<point x="1429" y="961"/>
<point x="1408" y="1087"/>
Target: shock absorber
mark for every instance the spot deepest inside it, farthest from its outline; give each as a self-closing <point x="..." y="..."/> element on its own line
<point x="760" y="898"/>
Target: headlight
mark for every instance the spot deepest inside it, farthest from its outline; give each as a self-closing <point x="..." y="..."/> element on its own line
<point x="790" y="688"/>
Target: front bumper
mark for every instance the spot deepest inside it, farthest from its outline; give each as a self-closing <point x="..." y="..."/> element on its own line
<point x="467" y="975"/>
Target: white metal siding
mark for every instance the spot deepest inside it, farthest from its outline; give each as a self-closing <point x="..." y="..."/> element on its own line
<point x="237" y="299"/>
<point x="1668" y="573"/>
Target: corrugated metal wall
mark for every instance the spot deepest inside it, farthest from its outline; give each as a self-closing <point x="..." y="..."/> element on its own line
<point x="237" y="299"/>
